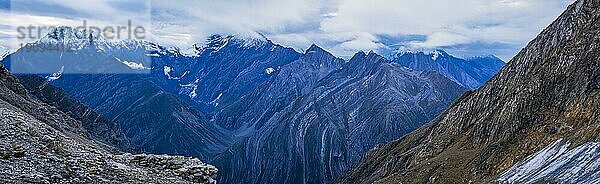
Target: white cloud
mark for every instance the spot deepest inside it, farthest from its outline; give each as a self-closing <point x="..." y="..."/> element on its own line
<point x="447" y="22"/>
<point x="441" y="39"/>
<point x="228" y="16"/>
<point x="342" y="26"/>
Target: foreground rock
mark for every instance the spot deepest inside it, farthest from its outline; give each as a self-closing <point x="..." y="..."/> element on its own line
<point x="41" y="144"/>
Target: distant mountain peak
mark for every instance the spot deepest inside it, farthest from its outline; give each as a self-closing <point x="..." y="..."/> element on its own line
<point x="373" y="55"/>
<point x="362" y="58"/>
<point x="435" y="54"/>
<point x="74" y="38"/>
<point x="77" y="39"/>
<point x="70" y="33"/>
<point x="217" y="42"/>
<point x="315" y="49"/>
<point x="490" y="57"/>
<point x="359" y="54"/>
<point x="470" y="73"/>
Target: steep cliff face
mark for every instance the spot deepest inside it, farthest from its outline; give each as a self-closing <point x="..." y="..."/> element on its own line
<point x="41" y="144"/>
<point x="368" y="101"/>
<point x="549" y="91"/>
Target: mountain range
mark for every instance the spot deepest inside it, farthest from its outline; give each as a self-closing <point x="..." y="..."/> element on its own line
<point x="470" y="73"/>
<point x="536" y="121"/>
<point x="245" y="104"/>
<point x="321" y="133"/>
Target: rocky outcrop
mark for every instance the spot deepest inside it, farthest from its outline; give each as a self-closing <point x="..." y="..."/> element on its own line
<point x="545" y="93"/>
<point x="41" y="144"/>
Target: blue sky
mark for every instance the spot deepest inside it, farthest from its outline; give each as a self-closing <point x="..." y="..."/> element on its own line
<point x="462" y="27"/>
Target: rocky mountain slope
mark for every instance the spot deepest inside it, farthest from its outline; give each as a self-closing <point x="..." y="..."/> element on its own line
<point x="155" y="120"/>
<point x="221" y="71"/>
<point x="41" y="144"/>
<point x="368" y="101"/>
<point x="471" y="73"/>
<point x="99" y="127"/>
<point x="549" y="91"/>
<point x="288" y="83"/>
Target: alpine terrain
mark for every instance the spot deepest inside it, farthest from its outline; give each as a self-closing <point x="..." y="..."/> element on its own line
<point x="241" y="103"/>
<point x="367" y="101"/>
<point x="538" y="120"/>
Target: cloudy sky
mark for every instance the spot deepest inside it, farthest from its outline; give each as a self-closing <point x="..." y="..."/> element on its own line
<point x="462" y="27"/>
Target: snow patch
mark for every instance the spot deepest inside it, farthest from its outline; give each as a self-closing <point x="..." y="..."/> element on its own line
<point x="133" y="65"/>
<point x="557" y="163"/>
<point x="269" y="71"/>
<point x="191" y="52"/>
<point x="436" y="54"/>
<point x="153" y="55"/>
<point x="192" y="87"/>
<point x="167" y="71"/>
<point x="214" y="102"/>
<point x="56" y="76"/>
<point x="117" y="165"/>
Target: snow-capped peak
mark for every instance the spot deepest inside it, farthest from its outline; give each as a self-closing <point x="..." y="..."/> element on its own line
<point x="314" y="48"/>
<point x="77" y="39"/>
<point x="215" y="43"/>
<point x="69" y="34"/>
<point x="71" y="37"/>
<point x="193" y="51"/>
<point x="436" y="54"/>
